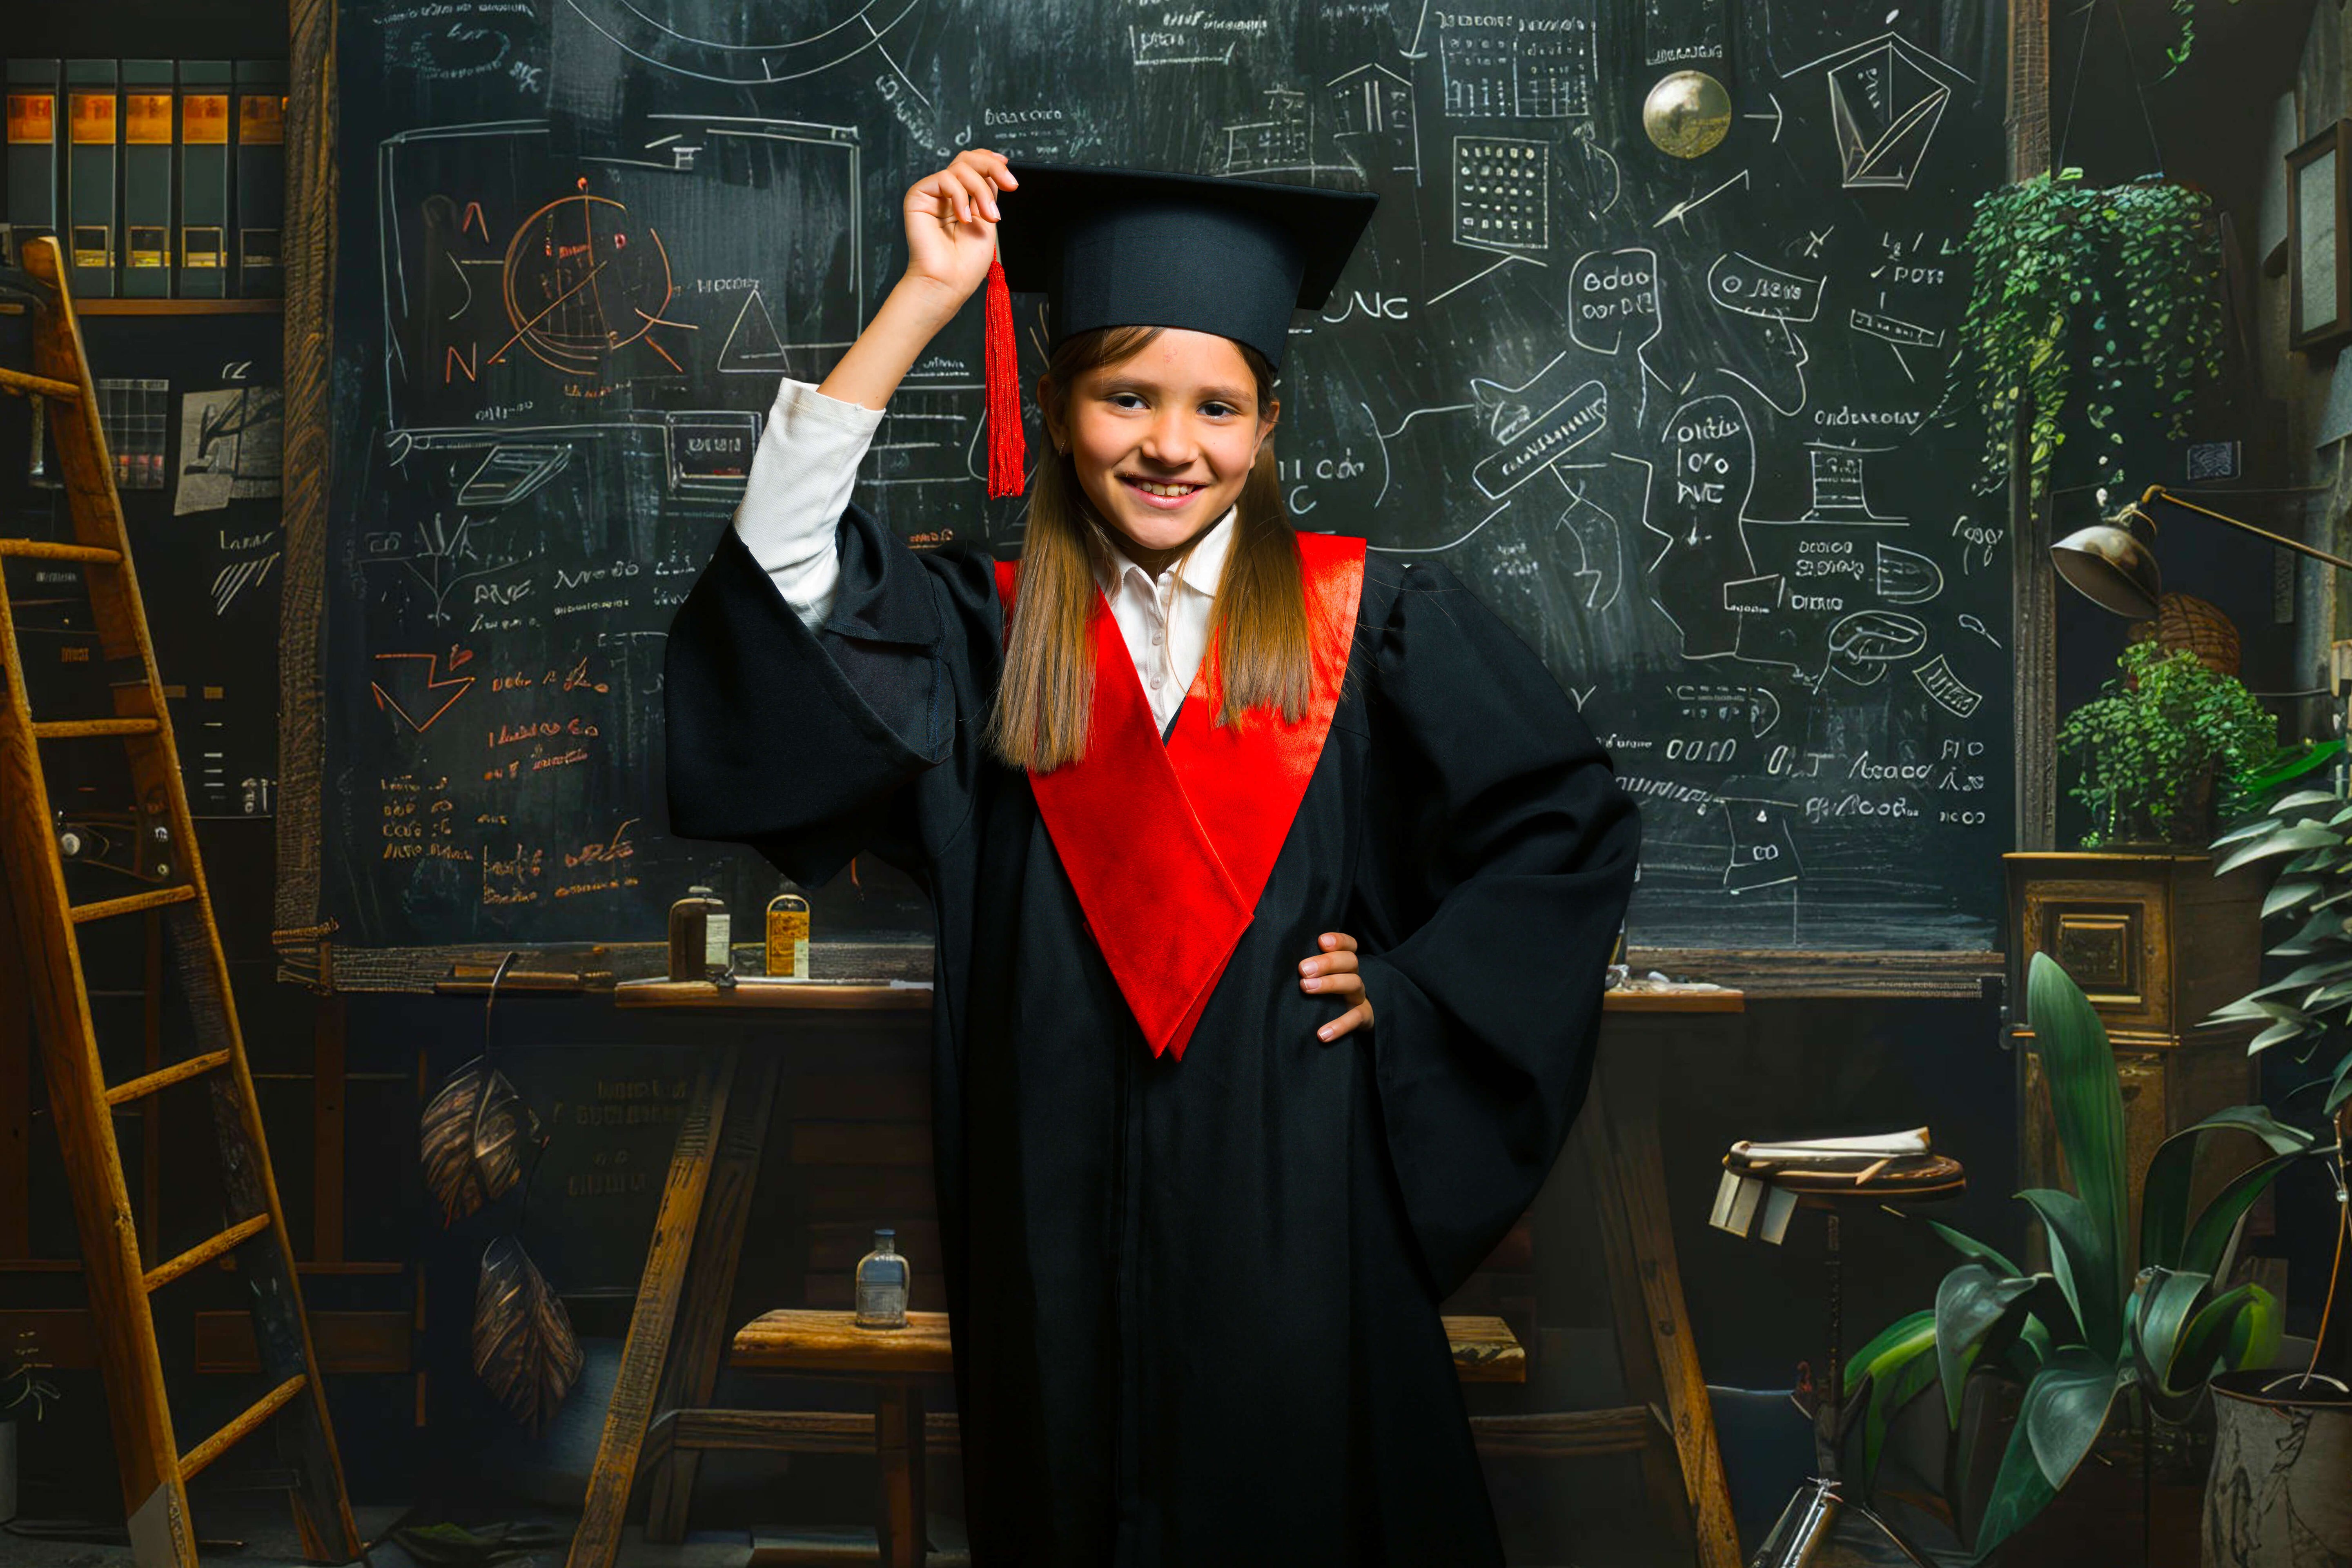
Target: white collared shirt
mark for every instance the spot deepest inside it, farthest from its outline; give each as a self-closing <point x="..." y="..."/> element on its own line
<point x="802" y="474"/>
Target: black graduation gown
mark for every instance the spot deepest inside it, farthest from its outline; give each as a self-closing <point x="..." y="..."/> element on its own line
<point x="1196" y="1300"/>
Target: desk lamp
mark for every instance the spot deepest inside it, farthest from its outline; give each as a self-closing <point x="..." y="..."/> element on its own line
<point x="2112" y="561"/>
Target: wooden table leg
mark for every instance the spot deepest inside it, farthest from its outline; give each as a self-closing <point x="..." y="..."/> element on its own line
<point x="659" y="1291"/>
<point x="898" y="1448"/>
<point x="1619" y="1132"/>
<point x="698" y="1348"/>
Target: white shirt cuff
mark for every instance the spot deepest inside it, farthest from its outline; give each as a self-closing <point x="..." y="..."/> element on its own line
<point x="801" y="479"/>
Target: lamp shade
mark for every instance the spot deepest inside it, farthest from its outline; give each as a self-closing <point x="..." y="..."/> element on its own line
<point x="2110" y="564"/>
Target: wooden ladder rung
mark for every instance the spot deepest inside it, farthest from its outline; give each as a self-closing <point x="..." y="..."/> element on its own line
<point x="220" y="1442"/>
<point x="42" y="550"/>
<point x="203" y="1252"/>
<point x="91" y="728"/>
<point x="41" y="385"/>
<point x="107" y="909"/>
<point x="164" y="1077"/>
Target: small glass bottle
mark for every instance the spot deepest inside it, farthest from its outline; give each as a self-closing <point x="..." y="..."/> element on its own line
<point x="699" y="937"/>
<point x="882" y="1284"/>
<point x="788" y="934"/>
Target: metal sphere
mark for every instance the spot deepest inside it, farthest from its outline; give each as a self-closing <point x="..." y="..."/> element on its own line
<point x="1688" y="113"/>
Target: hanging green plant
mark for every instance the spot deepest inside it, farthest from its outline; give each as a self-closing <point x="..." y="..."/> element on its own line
<point x="2078" y="292"/>
<point x="2165" y="738"/>
<point x="2176" y="55"/>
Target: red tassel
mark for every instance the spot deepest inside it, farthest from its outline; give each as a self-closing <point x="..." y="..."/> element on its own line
<point x="1008" y="454"/>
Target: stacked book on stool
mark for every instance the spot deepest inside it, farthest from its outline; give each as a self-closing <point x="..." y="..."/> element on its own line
<point x="1763" y="1186"/>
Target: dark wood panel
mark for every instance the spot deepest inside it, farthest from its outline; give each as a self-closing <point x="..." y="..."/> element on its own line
<point x="861" y="1144"/>
<point x="344" y="1342"/>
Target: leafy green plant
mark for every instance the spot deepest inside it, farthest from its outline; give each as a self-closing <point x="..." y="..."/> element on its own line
<point x="2309" y="1010"/>
<point x="2087" y="1332"/>
<point x="2166" y="737"/>
<point x="2107" y="286"/>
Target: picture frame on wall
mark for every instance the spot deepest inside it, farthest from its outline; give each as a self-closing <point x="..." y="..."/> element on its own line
<point x="2319" y="266"/>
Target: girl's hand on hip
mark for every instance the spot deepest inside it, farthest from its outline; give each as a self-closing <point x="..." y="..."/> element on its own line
<point x="1332" y="974"/>
<point x="951" y="218"/>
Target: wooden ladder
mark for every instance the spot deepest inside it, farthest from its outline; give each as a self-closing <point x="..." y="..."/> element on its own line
<point x="155" y="1469"/>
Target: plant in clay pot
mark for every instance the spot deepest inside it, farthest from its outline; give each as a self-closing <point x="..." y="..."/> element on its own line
<point x="2280" y="1494"/>
<point x="2167" y="741"/>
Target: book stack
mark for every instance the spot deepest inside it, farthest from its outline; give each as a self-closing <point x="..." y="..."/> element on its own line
<point x="1758" y="1192"/>
<point x="164" y="179"/>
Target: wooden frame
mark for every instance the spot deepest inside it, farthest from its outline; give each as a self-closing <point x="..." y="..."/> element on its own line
<point x="304" y="933"/>
<point x="2317" y="176"/>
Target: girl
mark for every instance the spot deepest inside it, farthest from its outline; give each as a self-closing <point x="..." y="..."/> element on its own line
<point x="1274" y="885"/>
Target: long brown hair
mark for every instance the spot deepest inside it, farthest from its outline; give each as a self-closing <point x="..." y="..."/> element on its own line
<point x="1258" y="656"/>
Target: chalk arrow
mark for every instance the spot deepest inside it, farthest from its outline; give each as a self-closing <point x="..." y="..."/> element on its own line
<point x="1775" y="117"/>
<point x="422" y="698"/>
<point x="1676" y="213"/>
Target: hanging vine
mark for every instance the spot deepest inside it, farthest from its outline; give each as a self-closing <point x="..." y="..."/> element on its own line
<point x="2176" y="53"/>
<point x="2109" y="287"/>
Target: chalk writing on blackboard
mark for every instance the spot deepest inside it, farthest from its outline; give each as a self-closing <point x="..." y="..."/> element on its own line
<point x="1684" y="426"/>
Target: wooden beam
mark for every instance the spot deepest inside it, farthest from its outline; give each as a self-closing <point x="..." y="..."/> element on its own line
<point x="308" y="450"/>
<point x="2033" y="584"/>
<point x="660" y="1291"/>
<point x="700" y="1346"/>
<point x="1618" y="1136"/>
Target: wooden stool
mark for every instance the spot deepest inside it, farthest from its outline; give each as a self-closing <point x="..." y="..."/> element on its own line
<point x="899" y="1362"/>
<point x="1810" y="1523"/>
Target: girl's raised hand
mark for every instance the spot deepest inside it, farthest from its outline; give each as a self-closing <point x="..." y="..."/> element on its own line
<point x="952" y="222"/>
<point x="1333" y="974"/>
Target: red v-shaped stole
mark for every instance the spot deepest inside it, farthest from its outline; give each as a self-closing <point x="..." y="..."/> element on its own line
<point x="1168" y="846"/>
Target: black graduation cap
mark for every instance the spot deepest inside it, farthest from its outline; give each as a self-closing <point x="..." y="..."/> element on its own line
<point x="1122" y="248"/>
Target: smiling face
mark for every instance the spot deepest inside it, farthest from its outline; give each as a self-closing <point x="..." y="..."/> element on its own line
<point x="1162" y="440"/>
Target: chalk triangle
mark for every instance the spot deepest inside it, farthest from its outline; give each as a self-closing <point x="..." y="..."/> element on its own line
<point x="753" y="345"/>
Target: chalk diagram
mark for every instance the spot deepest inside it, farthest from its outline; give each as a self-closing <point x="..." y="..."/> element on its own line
<point x="1763" y="849"/>
<point x="1614" y="304"/>
<point x="1495" y="67"/>
<point x="1896" y="333"/>
<point x="1808" y="594"/>
<point x="1755" y="708"/>
<point x="516" y="317"/>
<point x="1502" y="194"/>
<point x="578" y="292"/>
<point x="1887" y="98"/>
<point x="438" y="555"/>
<point x="1373" y="105"/>
<point x="1747" y="287"/>
<point x="1367" y="118"/>
<point x="709" y="40"/>
<point x="1535" y="423"/>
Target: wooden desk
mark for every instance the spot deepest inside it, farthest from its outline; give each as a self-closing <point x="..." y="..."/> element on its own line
<point x="678" y="1334"/>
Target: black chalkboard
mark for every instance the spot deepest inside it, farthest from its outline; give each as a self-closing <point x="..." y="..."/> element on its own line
<point x="1684" y="423"/>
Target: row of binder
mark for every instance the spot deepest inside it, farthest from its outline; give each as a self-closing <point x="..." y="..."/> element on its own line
<point x="165" y="178"/>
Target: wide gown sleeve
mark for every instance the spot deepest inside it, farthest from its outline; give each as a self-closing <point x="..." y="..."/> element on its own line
<point x="806" y="745"/>
<point x="1519" y="857"/>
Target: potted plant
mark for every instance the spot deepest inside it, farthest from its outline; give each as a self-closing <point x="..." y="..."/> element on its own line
<point x="2280" y="1488"/>
<point x="2083" y="297"/>
<point x="2087" y="1333"/>
<point x="24" y="1395"/>
<point x="2167" y="741"/>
